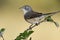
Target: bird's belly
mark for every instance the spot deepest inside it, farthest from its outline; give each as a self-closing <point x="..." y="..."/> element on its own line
<point x="35" y="20"/>
<point x="32" y="21"/>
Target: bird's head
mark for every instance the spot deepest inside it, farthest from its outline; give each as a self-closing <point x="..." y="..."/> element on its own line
<point x="26" y="8"/>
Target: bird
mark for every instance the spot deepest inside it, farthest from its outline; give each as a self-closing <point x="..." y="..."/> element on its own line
<point x="35" y="18"/>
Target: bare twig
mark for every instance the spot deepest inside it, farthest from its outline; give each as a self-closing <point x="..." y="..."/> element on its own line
<point x="2" y="37"/>
<point x="30" y="38"/>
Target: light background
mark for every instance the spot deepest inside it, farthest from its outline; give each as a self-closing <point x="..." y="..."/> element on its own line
<point x="11" y="18"/>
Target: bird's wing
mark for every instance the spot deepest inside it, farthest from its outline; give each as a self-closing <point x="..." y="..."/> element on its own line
<point x="30" y="15"/>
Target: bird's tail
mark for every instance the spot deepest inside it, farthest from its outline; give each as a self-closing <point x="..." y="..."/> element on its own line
<point x="51" y="14"/>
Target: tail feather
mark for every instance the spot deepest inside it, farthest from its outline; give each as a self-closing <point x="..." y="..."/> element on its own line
<point x="51" y="14"/>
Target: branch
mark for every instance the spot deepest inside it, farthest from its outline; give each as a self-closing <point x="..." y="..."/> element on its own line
<point x="29" y="31"/>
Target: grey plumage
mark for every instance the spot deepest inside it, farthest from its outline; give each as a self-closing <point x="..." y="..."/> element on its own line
<point x="32" y="14"/>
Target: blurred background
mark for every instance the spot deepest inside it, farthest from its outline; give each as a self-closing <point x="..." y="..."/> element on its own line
<point x="12" y="19"/>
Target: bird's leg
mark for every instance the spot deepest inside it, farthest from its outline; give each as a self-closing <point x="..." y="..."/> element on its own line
<point x="30" y="26"/>
<point x="35" y="25"/>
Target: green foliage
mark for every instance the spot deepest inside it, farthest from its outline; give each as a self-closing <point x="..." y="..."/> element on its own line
<point x="24" y="35"/>
<point x="2" y="30"/>
<point x="49" y="19"/>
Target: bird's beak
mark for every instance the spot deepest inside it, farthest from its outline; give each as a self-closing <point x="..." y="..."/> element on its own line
<point x="20" y="8"/>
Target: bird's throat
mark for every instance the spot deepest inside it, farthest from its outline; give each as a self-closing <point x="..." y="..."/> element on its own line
<point x="25" y="11"/>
